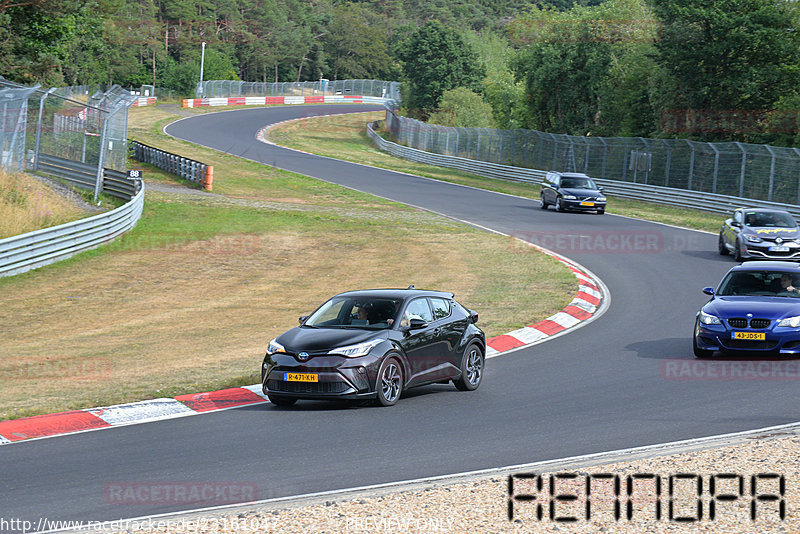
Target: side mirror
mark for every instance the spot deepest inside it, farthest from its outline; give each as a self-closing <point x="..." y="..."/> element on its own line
<point x="736" y="224"/>
<point x="600" y="188"/>
<point x="416" y="324"/>
<point x="303" y="318"/>
<point x="473" y="316"/>
<point x="708" y="291"/>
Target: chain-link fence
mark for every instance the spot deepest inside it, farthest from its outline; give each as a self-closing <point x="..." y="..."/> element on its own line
<point x="737" y="169"/>
<point x="92" y="130"/>
<point x="228" y="88"/>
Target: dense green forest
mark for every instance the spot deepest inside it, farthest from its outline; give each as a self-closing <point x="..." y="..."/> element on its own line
<point x="704" y="69"/>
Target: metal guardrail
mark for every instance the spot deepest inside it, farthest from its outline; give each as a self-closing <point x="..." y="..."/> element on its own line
<point x="649" y="193"/>
<point x="186" y="168"/>
<point x="115" y="183"/>
<point x="35" y="249"/>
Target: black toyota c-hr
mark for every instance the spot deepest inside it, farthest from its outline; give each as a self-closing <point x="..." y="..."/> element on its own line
<point x="374" y="344"/>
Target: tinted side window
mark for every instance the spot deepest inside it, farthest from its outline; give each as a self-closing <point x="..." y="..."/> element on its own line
<point x="441" y="308"/>
<point x="418" y="309"/>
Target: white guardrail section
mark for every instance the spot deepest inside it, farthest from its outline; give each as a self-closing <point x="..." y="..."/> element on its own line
<point x="649" y="193"/>
<point x="35" y="249"/>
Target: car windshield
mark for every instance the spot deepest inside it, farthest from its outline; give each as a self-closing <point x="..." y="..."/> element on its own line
<point x="761" y="283"/>
<point x="577" y="183"/>
<point x="769" y="219"/>
<point x="348" y="312"/>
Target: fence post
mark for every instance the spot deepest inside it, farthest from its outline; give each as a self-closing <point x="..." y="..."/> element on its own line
<point x="98" y="183"/>
<point x="605" y="158"/>
<point x="555" y="151"/>
<point x="647" y="159"/>
<point x="39" y="130"/>
<point x="716" y="168"/>
<point x="771" y="172"/>
<point x="667" y="165"/>
<point x="691" y="164"/>
<point x="744" y="165"/>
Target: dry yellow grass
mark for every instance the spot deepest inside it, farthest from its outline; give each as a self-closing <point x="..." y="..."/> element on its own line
<point x="27" y="205"/>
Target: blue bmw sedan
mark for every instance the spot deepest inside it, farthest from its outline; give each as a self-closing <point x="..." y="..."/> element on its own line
<point x="755" y="309"/>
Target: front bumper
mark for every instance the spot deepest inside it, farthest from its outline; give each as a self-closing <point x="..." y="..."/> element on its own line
<point x="583" y="205"/>
<point x="761" y="251"/>
<point x="778" y="340"/>
<point x="337" y="377"/>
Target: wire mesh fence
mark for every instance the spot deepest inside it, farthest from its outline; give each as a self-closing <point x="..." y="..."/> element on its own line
<point x="228" y="88"/>
<point x="736" y="169"/>
<point x="69" y="123"/>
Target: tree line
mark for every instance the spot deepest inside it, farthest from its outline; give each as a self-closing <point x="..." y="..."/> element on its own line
<point x="703" y="69"/>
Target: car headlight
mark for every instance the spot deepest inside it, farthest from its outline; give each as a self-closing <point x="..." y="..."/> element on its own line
<point x="274" y="347"/>
<point x="707" y="318"/>
<point x="601" y="199"/>
<point x="792" y="322"/>
<point x="570" y="197"/>
<point x="354" y="351"/>
<point x="753" y="238"/>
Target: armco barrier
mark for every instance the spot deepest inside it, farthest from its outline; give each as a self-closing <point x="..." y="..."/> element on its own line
<point x="186" y="168"/>
<point x="649" y="193"/>
<point x="115" y="183"/>
<point x="35" y="249"/>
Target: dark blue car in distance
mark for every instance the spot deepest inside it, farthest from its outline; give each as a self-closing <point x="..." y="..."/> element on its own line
<point x="572" y="191"/>
<point x="755" y="309"/>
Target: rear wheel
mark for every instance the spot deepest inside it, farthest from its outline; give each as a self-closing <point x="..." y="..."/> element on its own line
<point x="544" y="204"/>
<point x="723" y="249"/>
<point x="472" y="364"/>
<point x="390" y="382"/>
<point x="278" y="400"/>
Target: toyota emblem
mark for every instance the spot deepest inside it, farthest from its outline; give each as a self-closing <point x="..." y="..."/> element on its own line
<point x="303" y="356"/>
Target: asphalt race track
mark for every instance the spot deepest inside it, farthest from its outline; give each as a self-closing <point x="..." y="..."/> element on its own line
<point x="603" y="387"/>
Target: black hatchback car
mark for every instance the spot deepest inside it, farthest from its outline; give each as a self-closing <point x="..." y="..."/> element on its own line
<point x="572" y="191"/>
<point x="374" y="344"/>
<point x="758" y="233"/>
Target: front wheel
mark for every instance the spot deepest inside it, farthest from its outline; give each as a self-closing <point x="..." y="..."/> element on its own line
<point x="472" y="364"/>
<point x="390" y="382"/>
<point x="700" y="354"/>
<point x="723" y="249"/>
<point x="278" y="400"/>
<point x="737" y="252"/>
<point x="600" y="212"/>
<point x="559" y="204"/>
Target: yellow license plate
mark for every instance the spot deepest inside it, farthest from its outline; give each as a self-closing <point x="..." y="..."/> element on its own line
<point x="587" y="203"/>
<point x="300" y="377"/>
<point x="752" y="336"/>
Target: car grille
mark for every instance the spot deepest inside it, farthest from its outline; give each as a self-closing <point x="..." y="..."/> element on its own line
<point x="307" y="387"/>
<point x="741" y="322"/>
<point x="750" y="344"/>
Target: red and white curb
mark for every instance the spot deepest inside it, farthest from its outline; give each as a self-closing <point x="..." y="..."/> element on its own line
<point x="583" y="307"/>
<point x="280" y="100"/>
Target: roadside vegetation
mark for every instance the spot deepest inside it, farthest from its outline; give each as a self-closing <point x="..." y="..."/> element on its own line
<point x="187" y="300"/>
<point x="27" y="205"/>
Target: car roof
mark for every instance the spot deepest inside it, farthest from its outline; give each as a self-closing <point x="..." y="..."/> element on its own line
<point x="767" y="266"/>
<point x="765" y="210"/>
<point x="395" y="293"/>
<point x="573" y="174"/>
